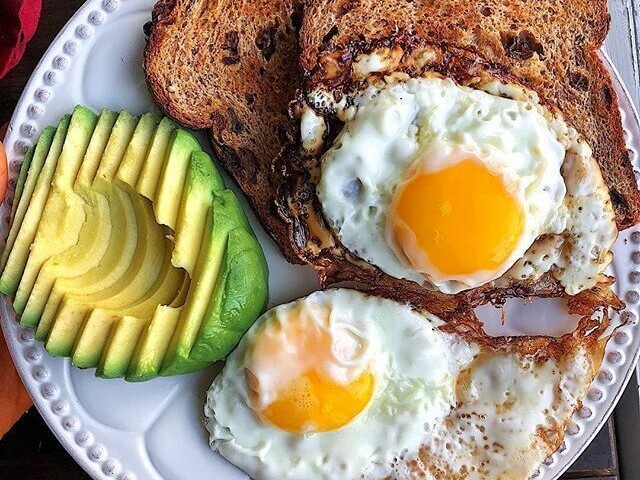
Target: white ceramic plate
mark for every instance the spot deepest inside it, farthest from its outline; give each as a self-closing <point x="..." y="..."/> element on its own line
<point x="154" y="430"/>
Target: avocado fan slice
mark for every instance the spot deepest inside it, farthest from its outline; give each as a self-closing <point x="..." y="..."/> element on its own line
<point x="94" y="234"/>
<point x="172" y="180"/>
<point x="201" y="181"/>
<point x="149" y="351"/>
<point x="156" y="281"/>
<point x="152" y="168"/>
<point x="105" y="146"/>
<point x="22" y="179"/>
<point x="194" y="215"/>
<point x="64" y="321"/>
<point x="16" y="255"/>
<point x="29" y="173"/>
<point x="240" y="296"/>
<point x="146" y="256"/>
<point x="103" y="308"/>
<point x="64" y="214"/>
<point x="121" y="343"/>
<point x="94" y="316"/>
<point x="207" y="271"/>
<point x="96" y="150"/>
<point x="120" y="346"/>
<point x="146" y="338"/>
<point x="163" y="276"/>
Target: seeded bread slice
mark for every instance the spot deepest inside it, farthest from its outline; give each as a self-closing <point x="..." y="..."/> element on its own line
<point x="230" y="66"/>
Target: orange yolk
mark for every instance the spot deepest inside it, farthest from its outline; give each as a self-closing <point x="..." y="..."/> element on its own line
<point x="294" y="357"/>
<point x="460" y="219"/>
<point x="313" y="403"/>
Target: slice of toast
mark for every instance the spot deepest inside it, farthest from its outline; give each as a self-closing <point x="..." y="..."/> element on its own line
<point x="548" y="46"/>
<point x="230" y="66"/>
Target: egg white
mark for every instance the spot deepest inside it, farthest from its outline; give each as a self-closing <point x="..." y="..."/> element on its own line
<point x="442" y="403"/>
<point x="542" y="161"/>
<point x="511" y="415"/>
<point x="415" y="369"/>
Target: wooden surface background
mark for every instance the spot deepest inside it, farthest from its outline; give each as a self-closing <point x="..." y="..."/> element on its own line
<point x="31" y="452"/>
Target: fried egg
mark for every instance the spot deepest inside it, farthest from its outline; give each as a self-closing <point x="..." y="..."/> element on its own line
<point x="455" y="187"/>
<point x="344" y="385"/>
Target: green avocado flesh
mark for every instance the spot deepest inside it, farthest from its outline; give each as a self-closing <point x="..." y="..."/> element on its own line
<point x="126" y="252"/>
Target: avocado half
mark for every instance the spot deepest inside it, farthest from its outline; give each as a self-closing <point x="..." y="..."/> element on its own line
<point x="126" y="252"/>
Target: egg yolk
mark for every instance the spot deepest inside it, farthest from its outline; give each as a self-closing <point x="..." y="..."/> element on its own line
<point x="313" y="403"/>
<point x="460" y="219"/>
<point x="294" y="359"/>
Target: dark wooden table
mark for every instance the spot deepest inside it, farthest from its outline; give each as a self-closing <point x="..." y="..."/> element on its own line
<point x="30" y="451"/>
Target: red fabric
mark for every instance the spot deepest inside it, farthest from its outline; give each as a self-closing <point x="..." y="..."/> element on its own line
<point x="18" y="23"/>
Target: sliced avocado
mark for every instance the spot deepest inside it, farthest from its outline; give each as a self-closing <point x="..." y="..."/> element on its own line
<point x="81" y="128"/>
<point x="121" y="344"/>
<point x="201" y="180"/>
<point x="64" y="329"/>
<point x="137" y="294"/>
<point x="19" y="253"/>
<point x="92" y="338"/>
<point x="94" y="235"/>
<point x="163" y="275"/>
<point x="151" y="348"/>
<point x="240" y="296"/>
<point x="119" y="253"/>
<point x="19" y="209"/>
<point x="152" y="169"/>
<point x="112" y="266"/>
<point x="64" y="214"/>
<point x="75" y="261"/>
<point x="101" y="319"/>
<point x="164" y="292"/>
<point x="96" y="149"/>
<point x="194" y="210"/>
<point x="224" y="218"/>
<point x="136" y="153"/>
<point x="134" y="293"/>
<point x="119" y="348"/>
<point x="22" y="179"/>
<point x="128" y="293"/>
<point x="166" y="202"/>
<point x="86" y="308"/>
<point x="147" y="263"/>
<point x="114" y="152"/>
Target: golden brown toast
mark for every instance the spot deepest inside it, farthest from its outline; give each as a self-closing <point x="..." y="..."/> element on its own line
<point x="230" y="66"/>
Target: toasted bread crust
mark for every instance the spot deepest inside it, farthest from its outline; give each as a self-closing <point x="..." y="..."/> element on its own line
<point x="231" y="67"/>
